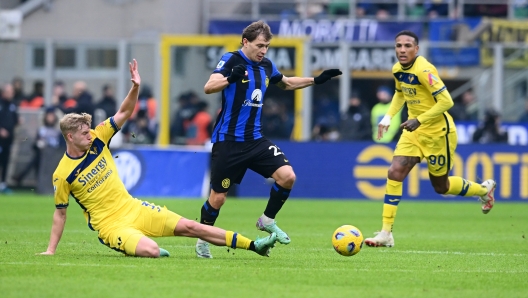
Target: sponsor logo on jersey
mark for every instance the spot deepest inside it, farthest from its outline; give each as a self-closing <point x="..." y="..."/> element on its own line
<point x="93" y="173"/>
<point x="255" y="101"/>
<point x="410" y="92"/>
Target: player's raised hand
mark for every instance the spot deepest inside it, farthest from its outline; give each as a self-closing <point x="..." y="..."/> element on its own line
<point x="327" y="75"/>
<point x="410" y="125"/>
<point x="383" y="126"/>
<point x="134" y="73"/>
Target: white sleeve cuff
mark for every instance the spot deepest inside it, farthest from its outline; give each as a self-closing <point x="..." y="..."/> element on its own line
<point x="386" y="121"/>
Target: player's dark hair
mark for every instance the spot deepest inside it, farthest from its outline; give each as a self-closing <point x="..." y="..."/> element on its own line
<point x="255" y="29"/>
<point x="408" y="33"/>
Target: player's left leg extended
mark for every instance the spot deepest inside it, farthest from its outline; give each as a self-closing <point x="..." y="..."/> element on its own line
<point x="455" y="185"/>
<point x="279" y="193"/>
<point x="221" y="237"/>
<point x="440" y="163"/>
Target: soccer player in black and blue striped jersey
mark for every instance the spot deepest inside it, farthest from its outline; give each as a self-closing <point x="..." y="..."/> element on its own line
<point x="243" y="77"/>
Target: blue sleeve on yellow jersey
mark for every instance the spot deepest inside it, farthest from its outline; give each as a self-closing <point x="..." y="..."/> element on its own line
<point x="106" y="129"/>
<point x="61" y="192"/>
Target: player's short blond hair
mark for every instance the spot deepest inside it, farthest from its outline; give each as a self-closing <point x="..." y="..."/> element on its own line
<point x="72" y="122"/>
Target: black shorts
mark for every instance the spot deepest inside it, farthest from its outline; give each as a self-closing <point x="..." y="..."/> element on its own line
<point x="230" y="160"/>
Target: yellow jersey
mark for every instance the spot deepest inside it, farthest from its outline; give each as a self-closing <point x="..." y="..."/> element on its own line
<point x="426" y="96"/>
<point x="92" y="180"/>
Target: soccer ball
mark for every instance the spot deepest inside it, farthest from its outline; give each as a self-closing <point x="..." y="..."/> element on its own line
<point x="347" y="240"/>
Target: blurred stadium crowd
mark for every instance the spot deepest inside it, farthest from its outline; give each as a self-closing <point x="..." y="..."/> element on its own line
<point x="192" y="122"/>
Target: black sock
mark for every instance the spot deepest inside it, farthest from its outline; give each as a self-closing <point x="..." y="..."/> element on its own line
<point x="209" y="214"/>
<point x="252" y="246"/>
<point x="278" y="196"/>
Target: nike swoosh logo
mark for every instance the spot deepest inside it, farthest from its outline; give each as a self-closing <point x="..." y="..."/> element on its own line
<point x="245" y="81"/>
<point x="285" y="160"/>
<point x="394" y="200"/>
<point x="439" y="169"/>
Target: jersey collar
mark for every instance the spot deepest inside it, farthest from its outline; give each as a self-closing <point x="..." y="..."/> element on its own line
<point x="76" y="157"/>
<point x="412" y="64"/>
<point x="249" y="61"/>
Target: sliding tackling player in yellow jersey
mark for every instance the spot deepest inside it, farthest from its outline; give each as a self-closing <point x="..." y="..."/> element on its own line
<point x="429" y="133"/>
<point x="88" y="173"/>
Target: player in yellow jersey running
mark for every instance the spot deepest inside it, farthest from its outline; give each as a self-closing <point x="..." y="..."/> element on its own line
<point x="428" y="133"/>
<point x="88" y="173"/>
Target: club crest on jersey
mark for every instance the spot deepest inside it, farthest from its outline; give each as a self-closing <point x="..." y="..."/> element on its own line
<point x="432" y="79"/>
<point x="411" y="78"/>
<point x="93" y="150"/>
<point x="220" y="64"/>
<point x="226" y="182"/>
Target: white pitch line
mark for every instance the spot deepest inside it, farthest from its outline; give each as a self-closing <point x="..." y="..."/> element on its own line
<point x="434" y="252"/>
<point x="347" y="269"/>
<point x="391" y="250"/>
<point x="67" y="264"/>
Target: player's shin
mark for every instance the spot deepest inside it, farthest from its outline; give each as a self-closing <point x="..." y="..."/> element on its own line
<point x="235" y="240"/>
<point x="209" y="214"/>
<point x="278" y="196"/>
<point x="393" y="196"/>
<point x="466" y="188"/>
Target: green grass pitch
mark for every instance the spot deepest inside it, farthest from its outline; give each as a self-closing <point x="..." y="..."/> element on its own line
<point x="442" y="249"/>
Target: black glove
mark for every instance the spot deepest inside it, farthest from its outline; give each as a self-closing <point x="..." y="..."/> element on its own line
<point x="237" y="73"/>
<point x="327" y="75"/>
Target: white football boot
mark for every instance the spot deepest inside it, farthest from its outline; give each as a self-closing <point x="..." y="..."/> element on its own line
<point x="488" y="199"/>
<point x="202" y="249"/>
<point x="382" y="238"/>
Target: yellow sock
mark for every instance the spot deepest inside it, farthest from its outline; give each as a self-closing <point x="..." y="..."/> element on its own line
<point x="235" y="240"/>
<point x="462" y="187"/>
<point x="393" y="194"/>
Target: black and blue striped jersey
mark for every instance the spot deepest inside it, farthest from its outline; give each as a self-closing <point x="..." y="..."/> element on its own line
<point x="240" y="117"/>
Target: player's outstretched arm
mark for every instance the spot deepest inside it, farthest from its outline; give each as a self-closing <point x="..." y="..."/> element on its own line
<point x="128" y="105"/>
<point x="294" y="83"/>
<point x="216" y="83"/>
<point x="59" y="221"/>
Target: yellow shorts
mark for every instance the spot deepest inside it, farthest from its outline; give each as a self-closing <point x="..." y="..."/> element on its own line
<point x="439" y="151"/>
<point x="146" y="220"/>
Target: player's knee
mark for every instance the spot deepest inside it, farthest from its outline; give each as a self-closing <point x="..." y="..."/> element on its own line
<point x="440" y="189"/>
<point x="287" y="179"/>
<point x="217" y="200"/>
<point x="395" y="174"/>
<point x="290" y="178"/>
